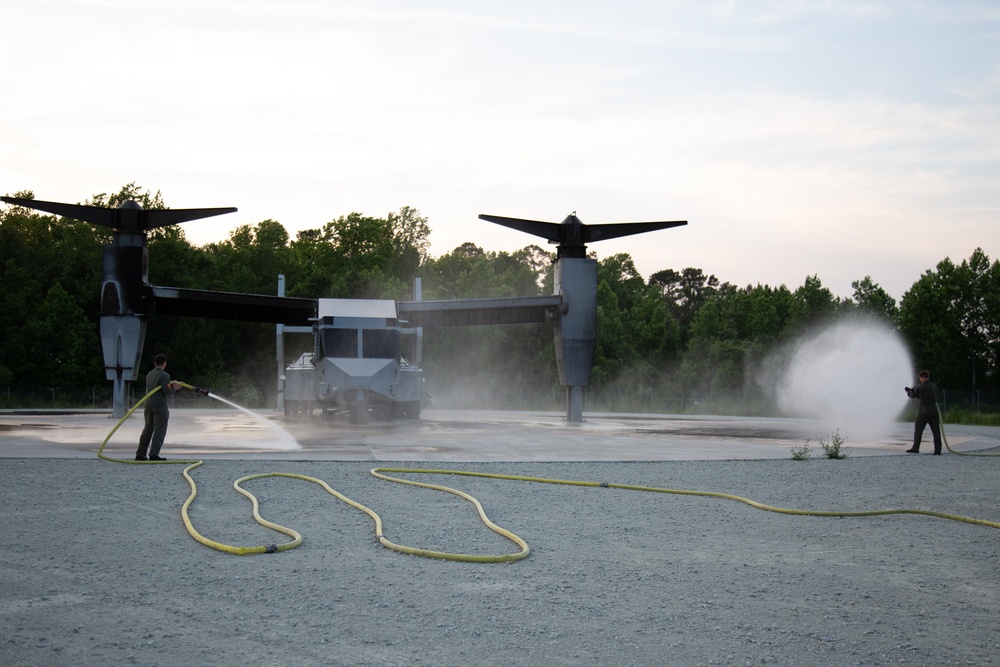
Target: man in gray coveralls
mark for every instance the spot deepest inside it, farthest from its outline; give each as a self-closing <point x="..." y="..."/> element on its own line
<point x="156" y="412"/>
<point x="927" y="413"/>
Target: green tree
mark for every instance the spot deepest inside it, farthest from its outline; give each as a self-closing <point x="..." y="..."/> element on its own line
<point x="358" y="256"/>
<point x="61" y="343"/>
<point x="978" y="283"/>
<point x="613" y="352"/>
<point x="37" y="253"/>
<point x="733" y="332"/>
<point x="619" y="273"/>
<point x="475" y="361"/>
<point x="813" y="303"/>
<point x="310" y="273"/>
<point x="174" y="262"/>
<point x="951" y="321"/>
<point x="639" y="338"/>
<point x="250" y="260"/>
<point x="620" y="289"/>
<point x="657" y="334"/>
<point x="129" y="192"/>
<point x="469" y="272"/>
<point x="410" y="243"/>
<point x="685" y="291"/>
<point x="931" y="324"/>
<point x="871" y="298"/>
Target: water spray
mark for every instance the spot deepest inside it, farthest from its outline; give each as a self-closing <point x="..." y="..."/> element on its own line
<point x="842" y="375"/>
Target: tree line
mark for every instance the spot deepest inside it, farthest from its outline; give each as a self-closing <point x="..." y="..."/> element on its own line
<point x="680" y="328"/>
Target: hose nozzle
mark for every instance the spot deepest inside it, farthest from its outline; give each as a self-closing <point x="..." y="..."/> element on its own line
<point x="194" y="388"/>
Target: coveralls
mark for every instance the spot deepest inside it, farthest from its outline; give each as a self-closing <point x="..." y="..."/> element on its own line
<point x="927" y="413"/>
<point x="156" y="413"/>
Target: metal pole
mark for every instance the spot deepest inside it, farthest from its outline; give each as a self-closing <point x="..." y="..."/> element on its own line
<point x="418" y="292"/>
<point x="574" y="403"/>
<point x="280" y="353"/>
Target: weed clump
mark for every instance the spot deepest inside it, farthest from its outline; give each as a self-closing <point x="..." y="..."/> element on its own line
<point x="835" y="448"/>
<point x="801" y="453"/>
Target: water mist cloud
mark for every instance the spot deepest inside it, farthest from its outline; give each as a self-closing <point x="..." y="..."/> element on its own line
<point x="848" y="375"/>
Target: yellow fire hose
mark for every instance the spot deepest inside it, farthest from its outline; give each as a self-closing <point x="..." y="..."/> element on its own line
<point x="296" y="537"/>
<point x="500" y="558"/>
<point x="944" y="437"/>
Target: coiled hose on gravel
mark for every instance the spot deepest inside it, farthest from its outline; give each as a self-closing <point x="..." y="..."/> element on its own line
<point x="523" y="551"/>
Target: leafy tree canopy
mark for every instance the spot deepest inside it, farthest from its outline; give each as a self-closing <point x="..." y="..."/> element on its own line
<point x="681" y="328"/>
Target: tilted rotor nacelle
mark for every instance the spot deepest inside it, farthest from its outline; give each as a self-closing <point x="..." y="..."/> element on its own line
<point x="576" y="283"/>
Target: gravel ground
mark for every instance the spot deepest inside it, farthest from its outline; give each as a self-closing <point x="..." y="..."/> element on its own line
<point x="99" y="569"/>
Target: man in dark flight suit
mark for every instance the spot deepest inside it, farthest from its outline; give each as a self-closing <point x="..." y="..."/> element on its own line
<point x="927" y="413"/>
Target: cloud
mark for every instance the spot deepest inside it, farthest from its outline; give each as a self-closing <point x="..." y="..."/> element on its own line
<point x="798" y="138"/>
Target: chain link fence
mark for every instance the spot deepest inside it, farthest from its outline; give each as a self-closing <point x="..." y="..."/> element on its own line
<point x="972" y="400"/>
<point x="677" y="401"/>
<point x="738" y="402"/>
<point x="96" y="398"/>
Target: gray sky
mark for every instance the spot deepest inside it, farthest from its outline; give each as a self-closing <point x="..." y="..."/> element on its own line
<point x="842" y="139"/>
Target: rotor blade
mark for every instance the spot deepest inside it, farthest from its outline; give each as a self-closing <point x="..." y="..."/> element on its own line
<point x="113" y="217"/>
<point x="603" y="232"/>
<point x="93" y="214"/>
<point x="546" y="230"/>
<point x="173" y="216"/>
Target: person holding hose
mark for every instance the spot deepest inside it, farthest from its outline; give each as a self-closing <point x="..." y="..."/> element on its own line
<point x="927" y="412"/>
<point x="156" y="411"/>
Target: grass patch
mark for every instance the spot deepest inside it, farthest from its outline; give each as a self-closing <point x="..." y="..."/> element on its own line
<point x="972" y="418"/>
